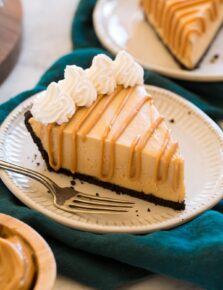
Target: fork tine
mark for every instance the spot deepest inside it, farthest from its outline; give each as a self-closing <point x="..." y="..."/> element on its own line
<point x="94" y="206"/>
<point x="101" y="203"/>
<point x="108" y="199"/>
<point x="96" y="209"/>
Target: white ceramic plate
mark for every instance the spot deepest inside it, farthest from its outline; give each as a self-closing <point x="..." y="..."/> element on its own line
<point x="201" y="143"/>
<point x="120" y="24"/>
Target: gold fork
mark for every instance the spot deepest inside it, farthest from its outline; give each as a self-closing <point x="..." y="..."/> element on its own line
<point x="70" y="200"/>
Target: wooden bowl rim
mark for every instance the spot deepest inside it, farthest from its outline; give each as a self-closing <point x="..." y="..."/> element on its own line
<point x="45" y="259"/>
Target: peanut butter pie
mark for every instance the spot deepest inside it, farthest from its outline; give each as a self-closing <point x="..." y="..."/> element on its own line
<point x="187" y="27"/>
<point x="101" y="125"/>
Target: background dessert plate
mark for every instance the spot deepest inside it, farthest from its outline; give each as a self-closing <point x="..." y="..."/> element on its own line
<point x="201" y="142"/>
<point x="120" y="24"/>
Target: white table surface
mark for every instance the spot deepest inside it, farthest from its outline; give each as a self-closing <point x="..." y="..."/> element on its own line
<point x="46" y="37"/>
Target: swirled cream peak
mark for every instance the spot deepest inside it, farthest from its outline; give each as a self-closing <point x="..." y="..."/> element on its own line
<point x="102" y="75"/>
<point x="53" y="106"/>
<point x="78" y="86"/>
<point x="72" y="75"/>
<point x="73" y="72"/>
<point x="127" y="71"/>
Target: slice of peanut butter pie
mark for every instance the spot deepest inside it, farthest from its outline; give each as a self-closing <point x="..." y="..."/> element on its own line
<point x="101" y="125"/>
<point x="186" y="27"/>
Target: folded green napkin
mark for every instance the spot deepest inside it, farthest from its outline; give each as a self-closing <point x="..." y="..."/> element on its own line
<point x="207" y="96"/>
<point x="192" y="252"/>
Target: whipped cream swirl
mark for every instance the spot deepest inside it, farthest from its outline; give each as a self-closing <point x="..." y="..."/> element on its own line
<point x="127" y="71"/>
<point x="72" y="76"/>
<point x="53" y="106"/>
<point x="78" y="86"/>
<point x="101" y="74"/>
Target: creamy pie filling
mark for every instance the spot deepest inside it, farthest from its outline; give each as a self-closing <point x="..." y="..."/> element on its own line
<point x="102" y="124"/>
<point x="121" y="139"/>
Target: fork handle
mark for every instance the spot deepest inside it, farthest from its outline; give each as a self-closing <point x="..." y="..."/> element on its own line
<point x="28" y="172"/>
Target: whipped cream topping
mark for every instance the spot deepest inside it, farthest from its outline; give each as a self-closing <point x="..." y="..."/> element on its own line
<point x="81" y="87"/>
<point x="78" y="86"/>
<point x="53" y="106"/>
<point x="73" y="72"/>
<point x="127" y="72"/>
<point x="101" y="74"/>
<point x="85" y="93"/>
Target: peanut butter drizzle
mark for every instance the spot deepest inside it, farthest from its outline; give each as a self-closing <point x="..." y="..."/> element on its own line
<point x="84" y="118"/>
<point x="177" y="28"/>
<point x="176" y="7"/>
<point x="170" y="30"/>
<point x="52" y="163"/>
<point x="167" y="158"/>
<point x="180" y="173"/>
<point x="160" y="154"/>
<point x="186" y="37"/>
<point x="167" y="25"/>
<point x="77" y="126"/>
<point x="151" y="112"/>
<point x="99" y="113"/>
<point x="186" y="4"/>
<point x="176" y="176"/>
<point x="120" y="131"/>
<point x="139" y="146"/>
<point x="109" y="127"/>
<point x="177" y="42"/>
<point x="132" y="174"/>
<point x="182" y="44"/>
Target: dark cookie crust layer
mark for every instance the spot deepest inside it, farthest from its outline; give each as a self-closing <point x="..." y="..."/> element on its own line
<point x="93" y="180"/>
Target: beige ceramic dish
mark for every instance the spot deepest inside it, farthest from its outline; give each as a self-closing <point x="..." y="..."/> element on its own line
<point x="46" y="265"/>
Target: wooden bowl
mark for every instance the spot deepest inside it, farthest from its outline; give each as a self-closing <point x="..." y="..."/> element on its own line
<point x="46" y="265"/>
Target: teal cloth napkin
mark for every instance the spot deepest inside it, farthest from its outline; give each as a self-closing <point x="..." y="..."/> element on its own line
<point x="191" y="252"/>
